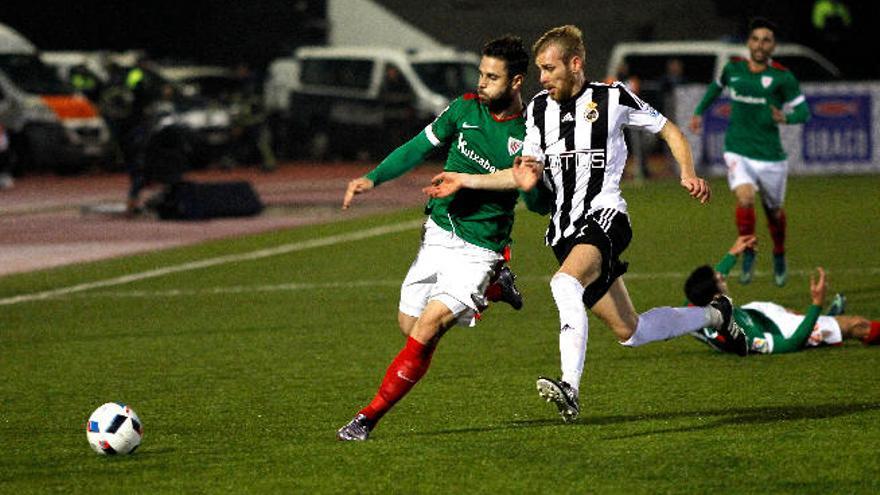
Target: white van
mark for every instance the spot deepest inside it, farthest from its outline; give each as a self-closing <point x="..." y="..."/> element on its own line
<point x="50" y="125"/>
<point x="350" y="100"/>
<point x="702" y="61"/>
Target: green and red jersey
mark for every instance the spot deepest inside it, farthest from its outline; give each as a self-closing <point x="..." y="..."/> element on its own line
<point x="479" y="143"/>
<point x="758" y="327"/>
<point x="751" y="130"/>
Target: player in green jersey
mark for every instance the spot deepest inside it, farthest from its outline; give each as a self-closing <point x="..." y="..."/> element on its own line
<point x="465" y="234"/>
<point x="771" y="328"/>
<point x="763" y="95"/>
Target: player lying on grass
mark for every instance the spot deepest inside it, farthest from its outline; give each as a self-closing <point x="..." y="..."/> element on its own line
<point x="465" y="234"/>
<point x="771" y="328"/>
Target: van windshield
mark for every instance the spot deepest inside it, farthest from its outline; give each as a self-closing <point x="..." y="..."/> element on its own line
<point x="655" y="67"/>
<point x="33" y="76"/>
<point x="449" y="79"/>
<point x="338" y="73"/>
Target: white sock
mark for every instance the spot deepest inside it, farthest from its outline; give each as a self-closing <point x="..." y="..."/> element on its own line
<point x="568" y="294"/>
<point x="665" y="323"/>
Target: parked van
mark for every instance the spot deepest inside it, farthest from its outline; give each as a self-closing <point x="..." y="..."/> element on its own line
<point x="50" y="125"/>
<point x="347" y="101"/>
<point x="702" y="62"/>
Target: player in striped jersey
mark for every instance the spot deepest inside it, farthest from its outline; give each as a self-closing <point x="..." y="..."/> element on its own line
<point x="573" y="159"/>
<point x="764" y="95"/>
<point x="465" y="234"/>
<point x="771" y="328"/>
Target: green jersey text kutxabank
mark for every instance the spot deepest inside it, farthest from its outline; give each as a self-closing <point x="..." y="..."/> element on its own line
<point x="478" y="144"/>
<point x="751" y="130"/>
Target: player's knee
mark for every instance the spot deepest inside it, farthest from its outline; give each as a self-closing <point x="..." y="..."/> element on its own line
<point x="584" y="277"/>
<point x="745" y="201"/>
<point x="405" y="322"/>
<point x="561" y="279"/>
<point x="859" y="327"/>
<point x="745" y="197"/>
<point x="433" y="322"/>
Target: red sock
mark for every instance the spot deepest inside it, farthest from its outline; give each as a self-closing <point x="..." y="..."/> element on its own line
<point x="873" y="336"/>
<point x="745" y="220"/>
<point x="777" y="231"/>
<point x="405" y="371"/>
<point x="493" y="292"/>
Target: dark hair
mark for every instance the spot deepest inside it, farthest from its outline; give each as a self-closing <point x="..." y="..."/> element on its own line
<point x="761" y="22"/>
<point x="510" y="49"/>
<point x="701" y="286"/>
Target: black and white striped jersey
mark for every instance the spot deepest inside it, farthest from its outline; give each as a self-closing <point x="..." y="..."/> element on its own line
<point x="580" y="141"/>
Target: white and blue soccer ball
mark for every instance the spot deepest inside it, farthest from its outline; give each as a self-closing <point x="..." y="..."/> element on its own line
<point x="114" y="428"/>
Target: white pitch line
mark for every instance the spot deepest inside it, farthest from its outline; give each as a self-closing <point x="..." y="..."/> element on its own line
<point x="220" y="260"/>
<point x="241" y="289"/>
<point x="297" y="286"/>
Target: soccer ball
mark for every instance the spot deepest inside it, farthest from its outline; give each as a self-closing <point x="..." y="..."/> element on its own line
<point x="114" y="428"/>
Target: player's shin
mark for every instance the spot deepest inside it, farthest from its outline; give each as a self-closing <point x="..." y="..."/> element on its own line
<point x="568" y="294"/>
<point x="405" y="371"/>
<point x="666" y="323"/>
<point x="745" y="220"/>
<point x="873" y="335"/>
<point x="776" y="223"/>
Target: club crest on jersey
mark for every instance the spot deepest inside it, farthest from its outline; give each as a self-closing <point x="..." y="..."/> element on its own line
<point x="592" y="112"/>
<point x="514" y="145"/>
<point x="766" y="81"/>
<point x="760" y="345"/>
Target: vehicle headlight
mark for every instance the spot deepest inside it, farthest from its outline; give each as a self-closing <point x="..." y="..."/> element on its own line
<point x="218" y="119"/>
<point x="195" y="119"/>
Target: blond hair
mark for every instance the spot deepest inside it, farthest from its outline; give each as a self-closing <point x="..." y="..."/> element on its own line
<point x="568" y="38"/>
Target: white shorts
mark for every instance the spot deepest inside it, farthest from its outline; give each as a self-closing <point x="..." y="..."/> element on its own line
<point x="768" y="177"/>
<point x="826" y="331"/>
<point x="450" y="270"/>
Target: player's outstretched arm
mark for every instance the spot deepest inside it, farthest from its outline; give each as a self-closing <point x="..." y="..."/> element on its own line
<point x="681" y="151"/>
<point x="527" y="172"/>
<point x="742" y="243"/>
<point x="818" y="287"/>
<point x="712" y="92"/>
<point x="448" y="183"/>
<point x="355" y="187"/>
<point x="801" y="334"/>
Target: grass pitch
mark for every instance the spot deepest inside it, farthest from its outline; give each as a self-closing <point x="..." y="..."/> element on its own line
<point x="243" y="369"/>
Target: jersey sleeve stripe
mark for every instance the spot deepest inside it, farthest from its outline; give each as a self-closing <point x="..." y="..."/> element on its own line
<point x="429" y="133"/>
<point x="795" y="102"/>
<point x="627" y="98"/>
<point x="601" y="96"/>
<point x="539" y="107"/>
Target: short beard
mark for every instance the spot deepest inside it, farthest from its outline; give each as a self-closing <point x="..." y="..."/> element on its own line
<point x="501" y="103"/>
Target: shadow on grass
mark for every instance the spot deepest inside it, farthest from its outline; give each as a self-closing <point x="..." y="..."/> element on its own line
<point x="716" y="418"/>
<point x="757" y="415"/>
